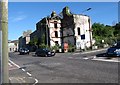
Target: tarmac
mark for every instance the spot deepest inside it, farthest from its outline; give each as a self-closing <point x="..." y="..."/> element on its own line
<point x="27" y="79"/>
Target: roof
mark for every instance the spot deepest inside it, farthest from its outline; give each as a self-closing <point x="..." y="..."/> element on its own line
<point x="14" y="41"/>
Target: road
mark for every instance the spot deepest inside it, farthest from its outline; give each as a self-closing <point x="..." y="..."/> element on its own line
<point x="65" y="68"/>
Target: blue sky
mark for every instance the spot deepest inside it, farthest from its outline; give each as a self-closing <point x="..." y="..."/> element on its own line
<point x="24" y="15"/>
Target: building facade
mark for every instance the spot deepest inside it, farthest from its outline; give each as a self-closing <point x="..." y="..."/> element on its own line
<point x="48" y="31"/>
<point x="76" y="29"/>
<point x="24" y="39"/>
<point x="70" y="30"/>
<point x="13" y="46"/>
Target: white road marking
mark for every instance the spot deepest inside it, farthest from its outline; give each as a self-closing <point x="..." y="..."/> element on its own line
<point x="14" y="64"/>
<point x="108" y="60"/>
<point x="29" y="74"/>
<point x="23" y="69"/>
<point x="36" y="81"/>
<point x="10" y="79"/>
<point x="85" y="58"/>
<point x="10" y="64"/>
<point x="22" y="79"/>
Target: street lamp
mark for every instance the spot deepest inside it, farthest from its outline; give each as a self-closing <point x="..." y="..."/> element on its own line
<point x="86" y="10"/>
<point x="46" y="30"/>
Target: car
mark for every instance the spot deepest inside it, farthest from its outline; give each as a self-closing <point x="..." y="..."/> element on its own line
<point x="23" y="51"/>
<point x="44" y="52"/>
<point x="114" y="50"/>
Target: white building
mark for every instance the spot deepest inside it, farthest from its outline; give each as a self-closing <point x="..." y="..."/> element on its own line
<point x="83" y="32"/>
<point x="54" y="26"/>
<point x="13" y="46"/>
<point x="50" y="28"/>
<point x="76" y="29"/>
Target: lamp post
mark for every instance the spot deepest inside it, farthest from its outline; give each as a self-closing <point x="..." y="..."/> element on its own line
<point x="86" y="10"/>
<point x="47" y="31"/>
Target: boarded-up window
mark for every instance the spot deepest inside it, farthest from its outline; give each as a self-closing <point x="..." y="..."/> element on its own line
<point x="56" y="34"/>
<point x="78" y="29"/>
<point x="55" y="24"/>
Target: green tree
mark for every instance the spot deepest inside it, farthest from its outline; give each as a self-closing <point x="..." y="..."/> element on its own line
<point x="34" y="42"/>
<point x="103" y="32"/>
<point x="43" y="39"/>
<point x="117" y="31"/>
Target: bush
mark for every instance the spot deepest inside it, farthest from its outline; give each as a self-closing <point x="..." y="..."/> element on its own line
<point x="43" y="46"/>
<point x="56" y="48"/>
<point x="71" y="48"/>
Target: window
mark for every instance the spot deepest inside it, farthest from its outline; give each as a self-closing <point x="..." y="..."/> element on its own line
<point x="56" y="34"/>
<point x="78" y="29"/>
<point x="56" y="42"/>
<point x="55" y="24"/>
<point x="10" y="49"/>
<point x="67" y="34"/>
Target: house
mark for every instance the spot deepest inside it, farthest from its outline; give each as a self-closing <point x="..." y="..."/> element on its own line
<point x="70" y="30"/>
<point x="12" y="46"/>
<point x="76" y="29"/>
<point x="48" y="31"/>
<point x="24" y="39"/>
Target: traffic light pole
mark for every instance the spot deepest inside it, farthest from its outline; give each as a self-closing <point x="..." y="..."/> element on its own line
<point x="4" y="31"/>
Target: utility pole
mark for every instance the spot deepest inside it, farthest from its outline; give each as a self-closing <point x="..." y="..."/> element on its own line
<point x="4" y="32"/>
<point x="47" y="31"/>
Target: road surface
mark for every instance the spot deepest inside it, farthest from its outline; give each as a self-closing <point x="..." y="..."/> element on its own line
<point x="65" y="68"/>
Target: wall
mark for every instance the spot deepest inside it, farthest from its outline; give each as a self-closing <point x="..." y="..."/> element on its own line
<point x="82" y="22"/>
<point x="52" y="30"/>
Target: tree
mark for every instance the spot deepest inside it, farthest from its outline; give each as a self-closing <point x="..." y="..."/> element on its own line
<point x="103" y="32"/>
<point x="34" y="42"/>
<point x="117" y="31"/>
<point x="43" y="39"/>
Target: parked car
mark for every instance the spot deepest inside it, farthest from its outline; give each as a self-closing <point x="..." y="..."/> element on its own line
<point x="24" y="51"/>
<point x="44" y="52"/>
<point x="114" y="50"/>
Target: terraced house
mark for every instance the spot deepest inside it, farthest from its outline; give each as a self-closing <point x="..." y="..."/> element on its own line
<point x="65" y="31"/>
<point x="48" y="31"/>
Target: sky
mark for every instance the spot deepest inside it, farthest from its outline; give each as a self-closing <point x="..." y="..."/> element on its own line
<point x="23" y="16"/>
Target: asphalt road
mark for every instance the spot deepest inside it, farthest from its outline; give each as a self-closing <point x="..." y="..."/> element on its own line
<point x="66" y="68"/>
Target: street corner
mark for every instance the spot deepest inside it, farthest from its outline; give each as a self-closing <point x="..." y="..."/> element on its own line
<point x="12" y="66"/>
<point x="21" y="80"/>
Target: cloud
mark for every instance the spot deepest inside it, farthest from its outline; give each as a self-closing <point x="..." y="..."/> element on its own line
<point x="18" y="18"/>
